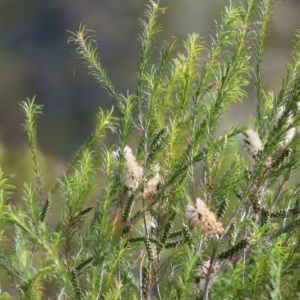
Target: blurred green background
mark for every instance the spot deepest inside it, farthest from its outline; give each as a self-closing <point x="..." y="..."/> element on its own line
<point x="35" y="59"/>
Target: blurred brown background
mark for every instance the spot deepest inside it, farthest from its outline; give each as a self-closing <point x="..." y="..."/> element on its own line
<point x="35" y="59"/>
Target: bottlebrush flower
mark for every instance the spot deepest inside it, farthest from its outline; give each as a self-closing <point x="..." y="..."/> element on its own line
<point x="151" y="185"/>
<point x="250" y="145"/>
<point x="151" y="223"/>
<point x="133" y="171"/>
<point x="203" y="219"/>
<point x="289" y="121"/>
<point x="133" y="174"/>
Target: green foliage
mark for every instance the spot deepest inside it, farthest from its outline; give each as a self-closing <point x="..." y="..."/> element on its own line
<point x="129" y="223"/>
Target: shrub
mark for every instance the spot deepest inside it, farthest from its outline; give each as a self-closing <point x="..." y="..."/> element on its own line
<point x="177" y="211"/>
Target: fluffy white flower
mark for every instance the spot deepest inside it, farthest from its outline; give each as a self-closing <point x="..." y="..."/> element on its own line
<point x="290" y="133"/>
<point x="151" y="185"/>
<point x="133" y="171"/>
<point x="203" y="219"/>
<point x="151" y="223"/>
<point x="250" y="145"/>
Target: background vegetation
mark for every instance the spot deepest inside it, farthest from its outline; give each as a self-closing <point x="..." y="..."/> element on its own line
<point x="35" y="59"/>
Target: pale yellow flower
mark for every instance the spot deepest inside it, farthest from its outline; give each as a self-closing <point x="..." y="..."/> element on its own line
<point x="151" y="185"/>
<point x="133" y="174"/>
<point x="133" y="170"/>
<point x="203" y="219"/>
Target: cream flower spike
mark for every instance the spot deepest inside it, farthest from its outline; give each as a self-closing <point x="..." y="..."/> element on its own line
<point x="289" y="133"/>
<point x="133" y="170"/>
<point x="203" y="219"/>
<point x="250" y="145"/>
<point x="151" y="186"/>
